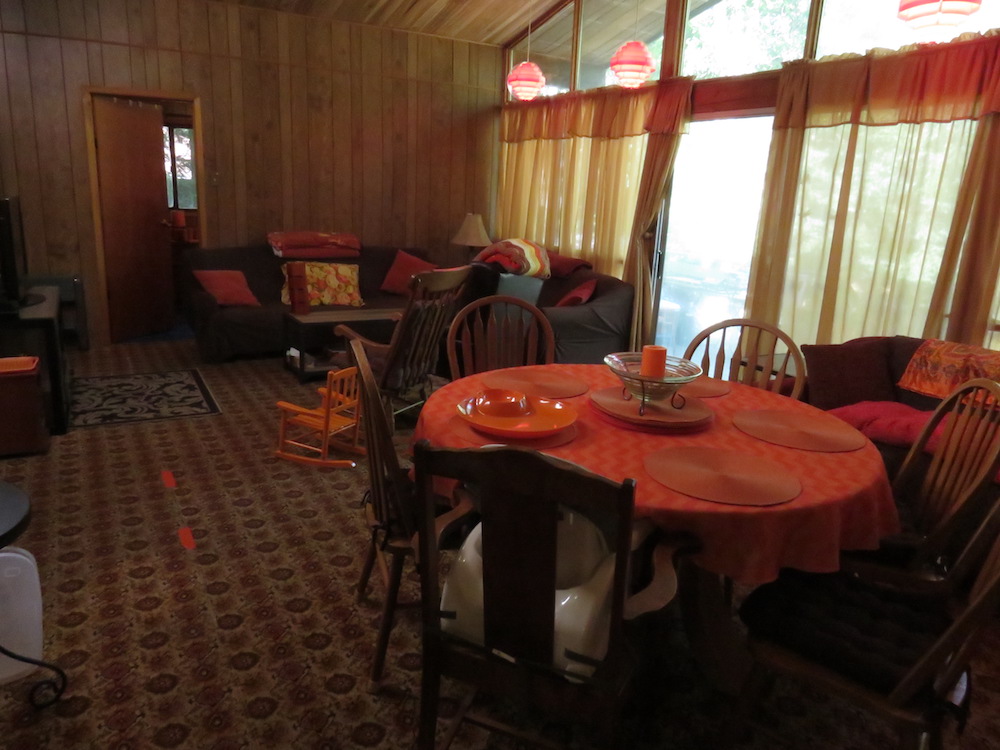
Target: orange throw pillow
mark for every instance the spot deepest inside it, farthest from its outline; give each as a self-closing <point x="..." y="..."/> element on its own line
<point x="228" y="287"/>
<point x="328" y="284"/>
<point x="404" y="267"/>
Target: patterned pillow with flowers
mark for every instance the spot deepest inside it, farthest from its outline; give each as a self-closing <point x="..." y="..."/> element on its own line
<point x="328" y="284"/>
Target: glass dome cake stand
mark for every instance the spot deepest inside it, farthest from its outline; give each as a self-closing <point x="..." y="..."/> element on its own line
<point x="626" y="365"/>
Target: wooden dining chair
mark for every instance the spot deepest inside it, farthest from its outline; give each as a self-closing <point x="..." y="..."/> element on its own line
<point x="389" y="506"/>
<point x="749" y="352"/>
<point x="898" y="653"/>
<point x="945" y="491"/>
<point x="403" y="365"/>
<point x="309" y="435"/>
<point x="496" y="332"/>
<point x="505" y="640"/>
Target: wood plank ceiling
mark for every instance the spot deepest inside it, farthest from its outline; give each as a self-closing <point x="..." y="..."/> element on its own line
<point x="493" y="22"/>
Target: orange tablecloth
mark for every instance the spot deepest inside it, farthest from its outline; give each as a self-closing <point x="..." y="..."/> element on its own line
<point x="845" y="503"/>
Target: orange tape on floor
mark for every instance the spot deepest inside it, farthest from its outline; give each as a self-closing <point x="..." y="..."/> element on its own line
<point x="186" y="537"/>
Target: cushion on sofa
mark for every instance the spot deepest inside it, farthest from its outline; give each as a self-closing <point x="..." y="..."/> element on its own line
<point x="228" y="287"/>
<point x="580" y="295"/>
<point x="403" y="268"/>
<point x="308" y="244"/>
<point x="564" y="265"/>
<point x="841" y="374"/>
<point x="888" y="422"/>
<point x="328" y="284"/>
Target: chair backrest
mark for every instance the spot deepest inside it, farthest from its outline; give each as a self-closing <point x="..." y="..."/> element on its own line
<point x="749" y="352"/>
<point x="520" y="495"/>
<point x="416" y="340"/>
<point x="496" y="332"/>
<point x="341" y="393"/>
<point x="389" y="485"/>
<point x="949" y="499"/>
<point x="944" y="662"/>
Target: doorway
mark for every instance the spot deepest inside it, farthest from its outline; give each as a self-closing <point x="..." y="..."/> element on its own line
<point x="146" y="207"/>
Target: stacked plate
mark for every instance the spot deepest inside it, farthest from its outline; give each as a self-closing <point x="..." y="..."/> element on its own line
<point x="658" y="416"/>
<point x="512" y="414"/>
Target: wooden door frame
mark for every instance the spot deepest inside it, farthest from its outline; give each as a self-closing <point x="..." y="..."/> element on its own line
<point x="101" y="332"/>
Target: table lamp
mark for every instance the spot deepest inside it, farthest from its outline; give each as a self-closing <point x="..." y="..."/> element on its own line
<point x="472" y="233"/>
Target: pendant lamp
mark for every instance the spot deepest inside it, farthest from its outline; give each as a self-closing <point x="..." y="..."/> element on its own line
<point x="632" y="64"/>
<point x="525" y="81"/>
<point x="920" y="13"/>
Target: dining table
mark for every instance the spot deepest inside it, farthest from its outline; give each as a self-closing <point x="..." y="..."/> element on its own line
<point x="761" y="480"/>
<point x="844" y="501"/>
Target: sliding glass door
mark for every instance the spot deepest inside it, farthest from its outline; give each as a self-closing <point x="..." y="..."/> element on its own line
<point x="711" y="227"/>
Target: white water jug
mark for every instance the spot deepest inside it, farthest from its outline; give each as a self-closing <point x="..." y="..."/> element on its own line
<point x="20" y="612"/>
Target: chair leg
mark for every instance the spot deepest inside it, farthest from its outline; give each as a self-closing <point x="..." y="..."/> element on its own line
<point x="388" y="615"/>
<point x="430" y="694"/>
<point x="366" y="569"/>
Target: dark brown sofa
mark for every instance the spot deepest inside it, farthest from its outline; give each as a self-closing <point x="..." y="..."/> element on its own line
<point x="584" y="333"/>
<point x="225" y="332"/>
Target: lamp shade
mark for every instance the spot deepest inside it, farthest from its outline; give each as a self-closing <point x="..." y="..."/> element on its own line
<point x="919" y="13"/>
<point x="525" y="81"/>
<point x="632" y="64"/>
<point x="472" y="233"/>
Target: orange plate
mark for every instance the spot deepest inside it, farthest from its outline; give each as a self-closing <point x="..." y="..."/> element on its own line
<point x="547" y="418"/>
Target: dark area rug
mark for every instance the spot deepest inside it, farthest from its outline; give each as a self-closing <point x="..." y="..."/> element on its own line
<point x="113" y="399"/>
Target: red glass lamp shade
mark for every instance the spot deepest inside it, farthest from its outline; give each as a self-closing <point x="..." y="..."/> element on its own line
<point x="632" y="64"/>
<point x="525" y="81"/>
<point x="920" y="13"/>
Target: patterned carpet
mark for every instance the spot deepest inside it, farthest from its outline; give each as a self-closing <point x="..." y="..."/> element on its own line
<point x="253" y="638"/>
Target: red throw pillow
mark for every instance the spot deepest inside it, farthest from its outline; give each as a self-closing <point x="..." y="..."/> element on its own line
<point x="404" y="267"/>
<point x="580" y="295"/>
<point x="563" y="265"/>
<point x="228" y="287"/>
<point x="886" y="421"/>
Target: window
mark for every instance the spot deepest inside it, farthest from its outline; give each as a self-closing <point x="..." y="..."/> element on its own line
<point x="712" y="225"/>
<point x="733" y="37"/>
<point x="178" y="163"/>
<point x="606" y="26"/>
<point x="551" y="49"/>
<point x="861" y="25"/>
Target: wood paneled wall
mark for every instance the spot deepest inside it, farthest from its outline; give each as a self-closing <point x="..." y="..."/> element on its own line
<point x="306" y="122"/>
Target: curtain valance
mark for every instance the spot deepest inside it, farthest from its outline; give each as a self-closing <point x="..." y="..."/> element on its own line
<point x="610" y="112"/>
<point x="939" y="83"/>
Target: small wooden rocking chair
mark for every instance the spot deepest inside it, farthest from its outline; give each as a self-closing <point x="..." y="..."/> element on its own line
<point x="307" y="436"/>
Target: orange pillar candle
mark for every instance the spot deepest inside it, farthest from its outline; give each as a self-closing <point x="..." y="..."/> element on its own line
<point x="654" y="362"/>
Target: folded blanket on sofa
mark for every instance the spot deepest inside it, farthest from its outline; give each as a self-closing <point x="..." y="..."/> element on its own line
<point x="521" y="257"/>
<point x="939" y="367"/>
<point x="308" y="244"/>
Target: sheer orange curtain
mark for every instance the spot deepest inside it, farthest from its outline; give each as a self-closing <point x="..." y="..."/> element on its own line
<point x="882" y="195"/>
<point x="667" y="120"/>
<point x="569" y="172"/>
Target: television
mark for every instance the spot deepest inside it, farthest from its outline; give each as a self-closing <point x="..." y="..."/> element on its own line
<point x="12" y="256"/>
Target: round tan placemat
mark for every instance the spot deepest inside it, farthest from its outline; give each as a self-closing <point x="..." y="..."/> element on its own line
<point x="658" y="413"/>
<point x="722" y="476"/>
<point x="811" y="432"/>
<point x="536" y="381"/>
<point x="465" y="431"/>
<point x="705" y="387"/>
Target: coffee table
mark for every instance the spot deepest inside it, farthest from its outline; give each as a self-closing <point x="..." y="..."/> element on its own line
<point x="301" y="330"/>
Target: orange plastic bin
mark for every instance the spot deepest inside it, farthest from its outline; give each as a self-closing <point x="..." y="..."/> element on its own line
<point x="22" y="424"/>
